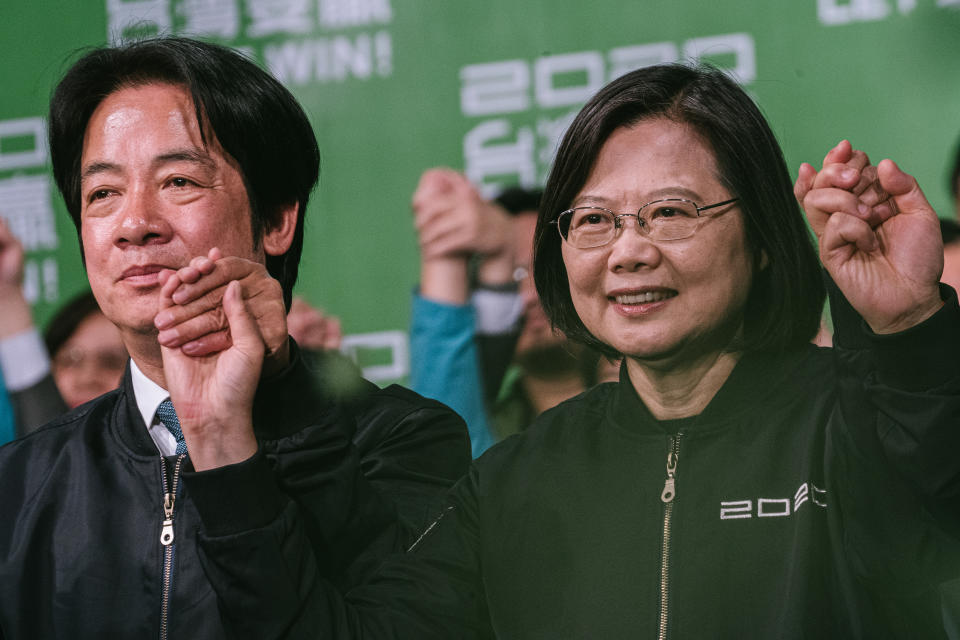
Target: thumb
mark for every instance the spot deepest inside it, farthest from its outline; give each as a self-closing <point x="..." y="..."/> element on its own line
<point x="243" y="328"/>
<point x="805" y="178"/>
<point x="903" y="187"/>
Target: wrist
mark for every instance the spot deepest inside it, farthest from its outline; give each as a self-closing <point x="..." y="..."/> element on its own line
<point x="444" y="280"/>
<point x="16" y="316"/>
<point x="917" y="314"/>
<point x="218" y="447"/>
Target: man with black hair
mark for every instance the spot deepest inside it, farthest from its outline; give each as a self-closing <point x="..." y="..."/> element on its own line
<point x="222" y="460"/>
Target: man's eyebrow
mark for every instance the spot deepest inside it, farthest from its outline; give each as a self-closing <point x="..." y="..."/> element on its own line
<point x="195" y="156"/>
<point x="98" y="167"/>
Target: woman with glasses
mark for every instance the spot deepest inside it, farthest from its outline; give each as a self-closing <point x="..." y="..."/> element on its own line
<point x="738" y="482"/>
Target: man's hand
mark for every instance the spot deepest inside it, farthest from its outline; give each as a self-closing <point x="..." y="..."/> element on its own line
<point x="196" y="322"/>
<point x="213" y="394"/>
<point x="14" y="309"/>
<point x="880" y="241"/>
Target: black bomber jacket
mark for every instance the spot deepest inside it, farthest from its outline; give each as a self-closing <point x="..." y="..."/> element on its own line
<point x="87" y="549"/>
<point x="816" y="496"/>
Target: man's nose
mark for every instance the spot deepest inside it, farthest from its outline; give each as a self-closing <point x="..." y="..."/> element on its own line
<point x="141" y="221"/>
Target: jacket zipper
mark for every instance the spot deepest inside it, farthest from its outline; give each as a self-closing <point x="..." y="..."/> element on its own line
<point x="667" y="496"/>
<point x="166" y="538"/>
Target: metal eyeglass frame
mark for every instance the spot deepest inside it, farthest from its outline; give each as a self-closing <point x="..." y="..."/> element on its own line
<point x="642" y="227"/>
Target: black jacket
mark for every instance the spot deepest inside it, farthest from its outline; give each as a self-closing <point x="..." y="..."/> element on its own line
<point x="337" y="483"/>
<point x="817" y="496"/>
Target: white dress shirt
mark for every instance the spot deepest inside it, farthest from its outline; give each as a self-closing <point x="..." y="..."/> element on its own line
<point x="149" y="395"/>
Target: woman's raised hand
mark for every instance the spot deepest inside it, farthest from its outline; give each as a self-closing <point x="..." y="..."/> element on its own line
<point x="879" y="238"/>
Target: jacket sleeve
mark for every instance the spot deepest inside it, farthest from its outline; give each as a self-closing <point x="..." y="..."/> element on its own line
<point x="313" y="512"/>
<point x="271" y="588"/>
<point x="893" y="456"/>
<point x="36" y="405"/>
<point x="912" y="379"/>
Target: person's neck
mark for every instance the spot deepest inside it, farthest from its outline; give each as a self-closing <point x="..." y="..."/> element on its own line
<point x="145" y="351"/>
<point x="672" y="391"/>
<point x="545" y="393"/>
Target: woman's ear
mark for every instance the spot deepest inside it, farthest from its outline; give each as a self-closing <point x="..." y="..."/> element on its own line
<point x="764" y="260"/>
<point x="278" y="237"/>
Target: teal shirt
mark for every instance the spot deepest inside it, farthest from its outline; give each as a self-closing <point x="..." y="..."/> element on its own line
<point x="445" y="366"/>
<point x="6" y="414"/>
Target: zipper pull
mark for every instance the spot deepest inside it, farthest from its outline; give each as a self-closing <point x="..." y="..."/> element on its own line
<point x="669" y="487"/>
<point x="166" y="534"/>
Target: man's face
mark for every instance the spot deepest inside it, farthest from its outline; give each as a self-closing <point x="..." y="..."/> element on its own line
<point x="537" y="334"/>
<point x="153" y="197"/>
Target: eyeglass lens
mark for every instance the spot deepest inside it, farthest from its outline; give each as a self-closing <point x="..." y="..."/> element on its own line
<point x="586" y="227"/>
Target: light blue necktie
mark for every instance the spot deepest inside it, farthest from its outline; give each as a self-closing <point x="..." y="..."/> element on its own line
<point x="169" y="419"/>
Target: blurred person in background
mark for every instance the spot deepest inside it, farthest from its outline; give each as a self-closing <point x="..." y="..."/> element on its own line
<point x="312" y="328"/>
<point x="480" y="341"/>
<point x="24" y="360"/>
<point x="80" y="357"/>
<point x="87" y="355"/>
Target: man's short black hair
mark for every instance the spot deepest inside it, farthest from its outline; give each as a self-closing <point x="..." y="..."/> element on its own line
<point x="253" y="117"/>
<point x="517" y="200"/>
<point x="786" y="297"/>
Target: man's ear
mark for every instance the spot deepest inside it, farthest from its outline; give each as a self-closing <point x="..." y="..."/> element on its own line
<point x="278" y="238"/>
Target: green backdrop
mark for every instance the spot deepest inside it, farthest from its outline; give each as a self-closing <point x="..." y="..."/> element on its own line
<point x="396" y="86"/>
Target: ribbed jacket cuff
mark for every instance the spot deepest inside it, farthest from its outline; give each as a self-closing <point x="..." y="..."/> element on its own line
<point x="925" y="356"/>
<point x="236" y="498"/>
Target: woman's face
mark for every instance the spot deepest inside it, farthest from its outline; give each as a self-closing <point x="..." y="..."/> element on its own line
<point x="660" y="301"/>
<point x="90" y="362"/>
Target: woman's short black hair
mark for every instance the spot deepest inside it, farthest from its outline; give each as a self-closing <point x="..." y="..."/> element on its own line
<point x="65" y="321"/>
<point x="786" y="298"/>
<point x="253" y="117"/>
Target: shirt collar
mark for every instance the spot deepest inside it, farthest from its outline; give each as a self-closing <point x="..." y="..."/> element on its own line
<point x="149" y="395"/>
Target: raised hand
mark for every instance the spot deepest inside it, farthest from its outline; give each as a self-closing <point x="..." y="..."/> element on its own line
<point x="849" y="170"/>
<point x="452" y="218"/>
<point x="213" y="394"/>
<point x="15" y="313"/>
<point x="197" y="323"/>
<point x="882" y="246"/>
<point x="312" y="328"/>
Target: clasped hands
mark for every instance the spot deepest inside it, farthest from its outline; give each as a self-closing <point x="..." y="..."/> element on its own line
<point x="221" y="322"/>
<point x="878" y="237"/>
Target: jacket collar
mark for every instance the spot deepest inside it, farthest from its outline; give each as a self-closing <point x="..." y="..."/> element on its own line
<point x="754" y="377"/>
<point x="285" y="402"/>
<point x="128" y="423"/>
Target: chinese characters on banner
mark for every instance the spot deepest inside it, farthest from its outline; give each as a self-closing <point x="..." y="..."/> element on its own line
<point x="547" y="93"/>
<point x="301" y="41"/>
<point x="26" y="205"/>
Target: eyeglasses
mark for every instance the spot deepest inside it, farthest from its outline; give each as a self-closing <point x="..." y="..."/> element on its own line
<point x="668" y="219"/>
